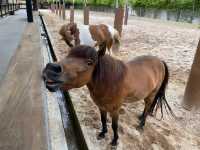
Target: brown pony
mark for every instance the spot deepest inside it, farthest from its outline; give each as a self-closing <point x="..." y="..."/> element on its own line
<point x="110" y="81"/>
<point x="91" y="35"/>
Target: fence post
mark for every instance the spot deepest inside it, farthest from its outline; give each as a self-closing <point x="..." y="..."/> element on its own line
<point x="126" y="15"/>
<point x="118" y="22"/>
<point x="29" y="10"/>
<point x="35" y="5"/>
<point x="59" y="6"/>
<point x="1" y="13"/>
<point x="4" y="10"/>
<point x="86" y="15"/>
<point x="192" y="91"/>
<point x="63" y="10"/>
<point x="5" y="7"/>
<point x="53" y="7"/>
<point x="56" y="8"/>
<point x="71" y="14"/>
<point x="8" y="9"/>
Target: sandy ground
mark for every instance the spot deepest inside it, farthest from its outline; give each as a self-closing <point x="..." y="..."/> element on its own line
<point x="173" y="42"/>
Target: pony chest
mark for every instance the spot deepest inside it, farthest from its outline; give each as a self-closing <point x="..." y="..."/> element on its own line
<point x="105" y="101"/>
<point x="108" y="104"/>
<point x="85" y="36"/>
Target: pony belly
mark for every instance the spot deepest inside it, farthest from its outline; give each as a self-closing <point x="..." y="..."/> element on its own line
<point x="130" y="99"/>
<point x="111" y="30"/>
<point x="108" y="105"/>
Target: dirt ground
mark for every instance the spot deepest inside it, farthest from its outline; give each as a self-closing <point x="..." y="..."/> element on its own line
<point x="173" y="42"/>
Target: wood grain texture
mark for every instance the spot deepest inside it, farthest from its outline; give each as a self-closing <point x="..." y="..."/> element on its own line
<point x="22" y="117"/>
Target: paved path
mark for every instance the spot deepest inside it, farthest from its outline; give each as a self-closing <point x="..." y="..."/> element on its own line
<point x="11" y="29"/>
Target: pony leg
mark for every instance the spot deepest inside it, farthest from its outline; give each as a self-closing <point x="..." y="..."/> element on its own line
<point x="147" y="109"/>
<point x="141" y="115"/>
<point x="109" y="45"/>
<point x="115" y="118"/>
<point x="104" y="125"/>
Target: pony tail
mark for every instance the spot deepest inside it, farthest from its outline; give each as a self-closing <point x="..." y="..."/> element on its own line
<point x="160" y="98"/>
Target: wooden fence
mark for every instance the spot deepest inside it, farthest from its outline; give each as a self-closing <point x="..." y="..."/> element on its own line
<point x="8" y="9"/>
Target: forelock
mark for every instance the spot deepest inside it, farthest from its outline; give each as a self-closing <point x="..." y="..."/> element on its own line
<point x="83" y="51"/>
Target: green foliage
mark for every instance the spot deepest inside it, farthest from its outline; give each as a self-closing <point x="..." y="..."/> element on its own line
<point x="166" y="4"/>
<point x="110" y="3"/>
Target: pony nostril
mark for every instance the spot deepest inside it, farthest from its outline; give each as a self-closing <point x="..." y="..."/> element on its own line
<point x="54" y="67"/>
<point x="57" y="68"/>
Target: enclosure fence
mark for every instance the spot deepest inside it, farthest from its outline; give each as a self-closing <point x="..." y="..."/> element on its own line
<point x="9" y="9"/>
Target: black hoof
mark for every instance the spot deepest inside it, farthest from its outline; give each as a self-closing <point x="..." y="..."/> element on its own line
<point x="140" y="128"/>
<point x="140" y="117"/>
<point x="151" y="114"/>
<point x="113" y="143"/>
<point x="101" y="136"/>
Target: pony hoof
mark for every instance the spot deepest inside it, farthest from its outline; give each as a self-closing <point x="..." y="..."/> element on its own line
<point x="101" y="136"/>
<point x="151" y="114"/>
<point x="140" y="117"/>
<point x="113" y="143"/>
<point x="140" y="128"/>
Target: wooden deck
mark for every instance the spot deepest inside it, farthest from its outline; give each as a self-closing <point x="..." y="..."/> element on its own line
<point x="23" y="123"/>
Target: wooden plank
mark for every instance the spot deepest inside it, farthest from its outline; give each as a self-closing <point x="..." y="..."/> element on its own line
<point x="55" y="124"/>
<point x="23" y="123"/>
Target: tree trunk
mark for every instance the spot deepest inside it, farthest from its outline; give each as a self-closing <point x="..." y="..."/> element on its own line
<point x="192" y="91"/>
<point x="118" y="22"/>
<point x="86" y="16"/>
<point x="35" y="5"/>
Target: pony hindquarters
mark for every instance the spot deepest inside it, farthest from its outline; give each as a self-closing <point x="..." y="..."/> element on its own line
<point x="156" y="99"/>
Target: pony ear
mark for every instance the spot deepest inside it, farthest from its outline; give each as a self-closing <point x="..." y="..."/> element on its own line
<point x="102" y="49"/>
<point x="73" y="28"/>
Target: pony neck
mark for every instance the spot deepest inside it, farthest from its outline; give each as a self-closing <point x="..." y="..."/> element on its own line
<point x="107" y="72"/>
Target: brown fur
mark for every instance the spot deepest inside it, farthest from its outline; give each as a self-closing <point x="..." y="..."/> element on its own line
<point x="102" y="81"/>
<point x="66" y="35"/>
<point x="100" y="33"/>
<point x="110" y="81"/>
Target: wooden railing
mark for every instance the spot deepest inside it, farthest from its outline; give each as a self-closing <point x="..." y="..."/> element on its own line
<point x="8" y="9"/>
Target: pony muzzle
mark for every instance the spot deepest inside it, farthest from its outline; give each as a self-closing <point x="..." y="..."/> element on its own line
<point x="51" y="76"/>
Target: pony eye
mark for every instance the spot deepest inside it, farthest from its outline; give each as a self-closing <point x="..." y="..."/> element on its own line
<point x="90" y="62"/>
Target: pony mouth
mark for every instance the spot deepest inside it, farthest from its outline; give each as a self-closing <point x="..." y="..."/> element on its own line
<point x="53" y="86"/>
<point x="51" y="82"/>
